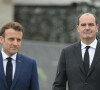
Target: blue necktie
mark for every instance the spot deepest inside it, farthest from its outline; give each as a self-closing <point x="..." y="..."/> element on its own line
<point x="9" y="72"/>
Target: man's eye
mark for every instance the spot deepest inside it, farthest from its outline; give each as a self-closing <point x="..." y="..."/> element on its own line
<point x="11" y="39"/>
<point x="83" y="24"/>
<point x="91" y="24"/>
<point x="18" y="40"/>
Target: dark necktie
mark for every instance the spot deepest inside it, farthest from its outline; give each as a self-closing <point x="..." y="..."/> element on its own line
<point x="9" y="72"/>
<point x="86" y="60"/>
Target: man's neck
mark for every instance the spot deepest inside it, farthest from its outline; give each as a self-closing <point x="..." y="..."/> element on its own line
<point x="88" y="41"/>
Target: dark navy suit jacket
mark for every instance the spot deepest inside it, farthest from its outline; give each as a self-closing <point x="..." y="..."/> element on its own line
<point x="25" y="78"/>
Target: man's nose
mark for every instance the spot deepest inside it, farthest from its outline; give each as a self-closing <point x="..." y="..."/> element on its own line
<point x="87" y="27"/>
<point x="15" y="42"/>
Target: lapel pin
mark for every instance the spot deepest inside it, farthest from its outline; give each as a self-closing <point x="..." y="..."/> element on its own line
<point x="19" y="60"/>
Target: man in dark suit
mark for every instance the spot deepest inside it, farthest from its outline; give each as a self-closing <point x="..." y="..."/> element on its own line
<point x="17" y="72"/>
<point x="79" y="63"/>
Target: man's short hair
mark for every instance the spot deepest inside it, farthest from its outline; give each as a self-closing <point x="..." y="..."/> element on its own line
<point x="14" y="25"/>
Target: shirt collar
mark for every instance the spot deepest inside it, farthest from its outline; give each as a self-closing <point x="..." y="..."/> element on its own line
<point x="93" y="44"/>
<point x="5" y="56"/>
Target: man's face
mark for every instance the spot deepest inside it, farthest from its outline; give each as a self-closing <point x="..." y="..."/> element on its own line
<point x="87" y="27"/>
<point x="11" y="42"/>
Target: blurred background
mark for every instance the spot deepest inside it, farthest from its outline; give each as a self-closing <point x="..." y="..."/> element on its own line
<point x="50" y="25"/>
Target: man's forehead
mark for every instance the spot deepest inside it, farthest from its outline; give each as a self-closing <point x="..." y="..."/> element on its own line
<point x="87" y="15"/>
<point x="87" y="18"/>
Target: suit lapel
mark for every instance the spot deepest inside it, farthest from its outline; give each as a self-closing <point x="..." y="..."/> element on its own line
<point x="96" y="58"/>
<point x="78" y="55"/>
<point x="2" y="75"/>
<point x="18" y="69"/>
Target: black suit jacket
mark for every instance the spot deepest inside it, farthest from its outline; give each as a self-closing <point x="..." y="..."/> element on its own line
<point x="70" y="68"/>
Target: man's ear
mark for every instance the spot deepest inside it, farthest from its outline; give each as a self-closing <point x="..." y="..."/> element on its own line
<point x="97" y="27"/>
<point x="77" y="28"/>
<point x="1" y="39"/>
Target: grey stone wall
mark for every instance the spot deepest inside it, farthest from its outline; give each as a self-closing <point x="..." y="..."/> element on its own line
<point x="6" y="12"/>
<point x="52" y="23"/>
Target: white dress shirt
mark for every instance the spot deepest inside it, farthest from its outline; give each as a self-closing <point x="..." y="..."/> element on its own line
<point x="5" y="56"/>
<point x="91" y="50"/>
